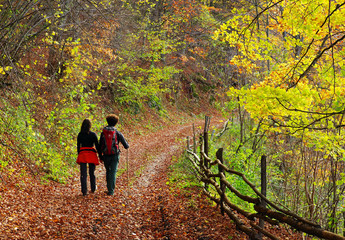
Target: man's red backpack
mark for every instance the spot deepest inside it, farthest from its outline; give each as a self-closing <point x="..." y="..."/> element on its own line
<point x="111" y="145"/>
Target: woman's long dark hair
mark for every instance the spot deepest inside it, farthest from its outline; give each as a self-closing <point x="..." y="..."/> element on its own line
<point x="86" y="126"/>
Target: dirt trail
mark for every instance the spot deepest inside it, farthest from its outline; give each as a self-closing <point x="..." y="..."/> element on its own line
<point x="147" y="209"/>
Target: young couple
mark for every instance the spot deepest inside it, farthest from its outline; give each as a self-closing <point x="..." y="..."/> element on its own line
<point x="90" y="150"/>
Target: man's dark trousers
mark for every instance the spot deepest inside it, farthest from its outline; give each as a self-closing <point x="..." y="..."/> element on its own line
<point x="111" y="162"/>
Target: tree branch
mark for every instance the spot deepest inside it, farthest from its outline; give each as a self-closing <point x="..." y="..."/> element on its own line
<point x="318" y="56"/>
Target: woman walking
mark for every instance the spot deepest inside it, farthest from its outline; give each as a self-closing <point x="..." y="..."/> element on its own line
<point x="88" y="147"/>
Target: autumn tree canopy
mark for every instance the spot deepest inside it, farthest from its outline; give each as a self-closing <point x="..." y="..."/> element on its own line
<point x="293" y="54"/>
<point x="280" y="62"/>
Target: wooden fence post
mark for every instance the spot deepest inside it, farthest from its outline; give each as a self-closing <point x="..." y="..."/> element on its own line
<point x="344" y="224"/>
<point x="263" y="187"/>
<point x="207" y="124"/>
<point x="194" y="139"/>
<point x="201" y="142"/>
<point x="219" y="155"/>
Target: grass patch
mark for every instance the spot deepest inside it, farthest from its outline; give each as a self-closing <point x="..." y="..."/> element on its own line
<point x="182" y="174"/>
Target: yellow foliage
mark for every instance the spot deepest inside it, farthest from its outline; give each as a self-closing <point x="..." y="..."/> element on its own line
<point x="301" y="84"/>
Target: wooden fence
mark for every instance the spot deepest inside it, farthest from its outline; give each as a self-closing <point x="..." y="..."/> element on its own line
<point x="265" y="210"/>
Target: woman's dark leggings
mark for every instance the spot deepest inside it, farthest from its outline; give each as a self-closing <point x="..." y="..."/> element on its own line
<point x="83" y="177"/>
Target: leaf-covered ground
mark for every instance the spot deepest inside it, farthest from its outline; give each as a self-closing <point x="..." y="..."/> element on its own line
<point x="146" y="208"/>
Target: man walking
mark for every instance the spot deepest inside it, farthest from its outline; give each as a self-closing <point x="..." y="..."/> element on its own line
<point x="109" y="144"/>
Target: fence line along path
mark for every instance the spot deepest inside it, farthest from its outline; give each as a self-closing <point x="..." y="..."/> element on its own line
<point x="265" y="210"/>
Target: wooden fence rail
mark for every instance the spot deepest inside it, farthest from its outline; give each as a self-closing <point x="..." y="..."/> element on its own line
<point x="266" y="211"/>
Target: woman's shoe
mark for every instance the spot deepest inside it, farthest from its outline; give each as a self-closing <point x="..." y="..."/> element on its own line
<point x="94" y="190"/>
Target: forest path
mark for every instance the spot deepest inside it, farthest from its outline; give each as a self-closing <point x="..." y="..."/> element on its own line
<point x="146" y="208"/>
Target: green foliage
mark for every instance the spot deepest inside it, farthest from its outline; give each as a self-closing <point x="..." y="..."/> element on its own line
<point x="240" y="157"/>
<point x="182" y="175"/>
<point x="138" y="85"/>
<point x="51" y="146"/>
<point x="3" y="158"/>
<point x="34" y="145"/>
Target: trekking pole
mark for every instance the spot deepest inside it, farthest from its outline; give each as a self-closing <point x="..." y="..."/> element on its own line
<point x="127" y="175"/>
<point x="127" y="201"/>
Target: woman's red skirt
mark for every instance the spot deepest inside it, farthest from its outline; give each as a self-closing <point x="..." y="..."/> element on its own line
<point x="88" y="155"/>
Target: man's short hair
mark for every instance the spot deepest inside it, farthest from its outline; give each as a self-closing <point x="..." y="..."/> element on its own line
<point x="112" y="119"/>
